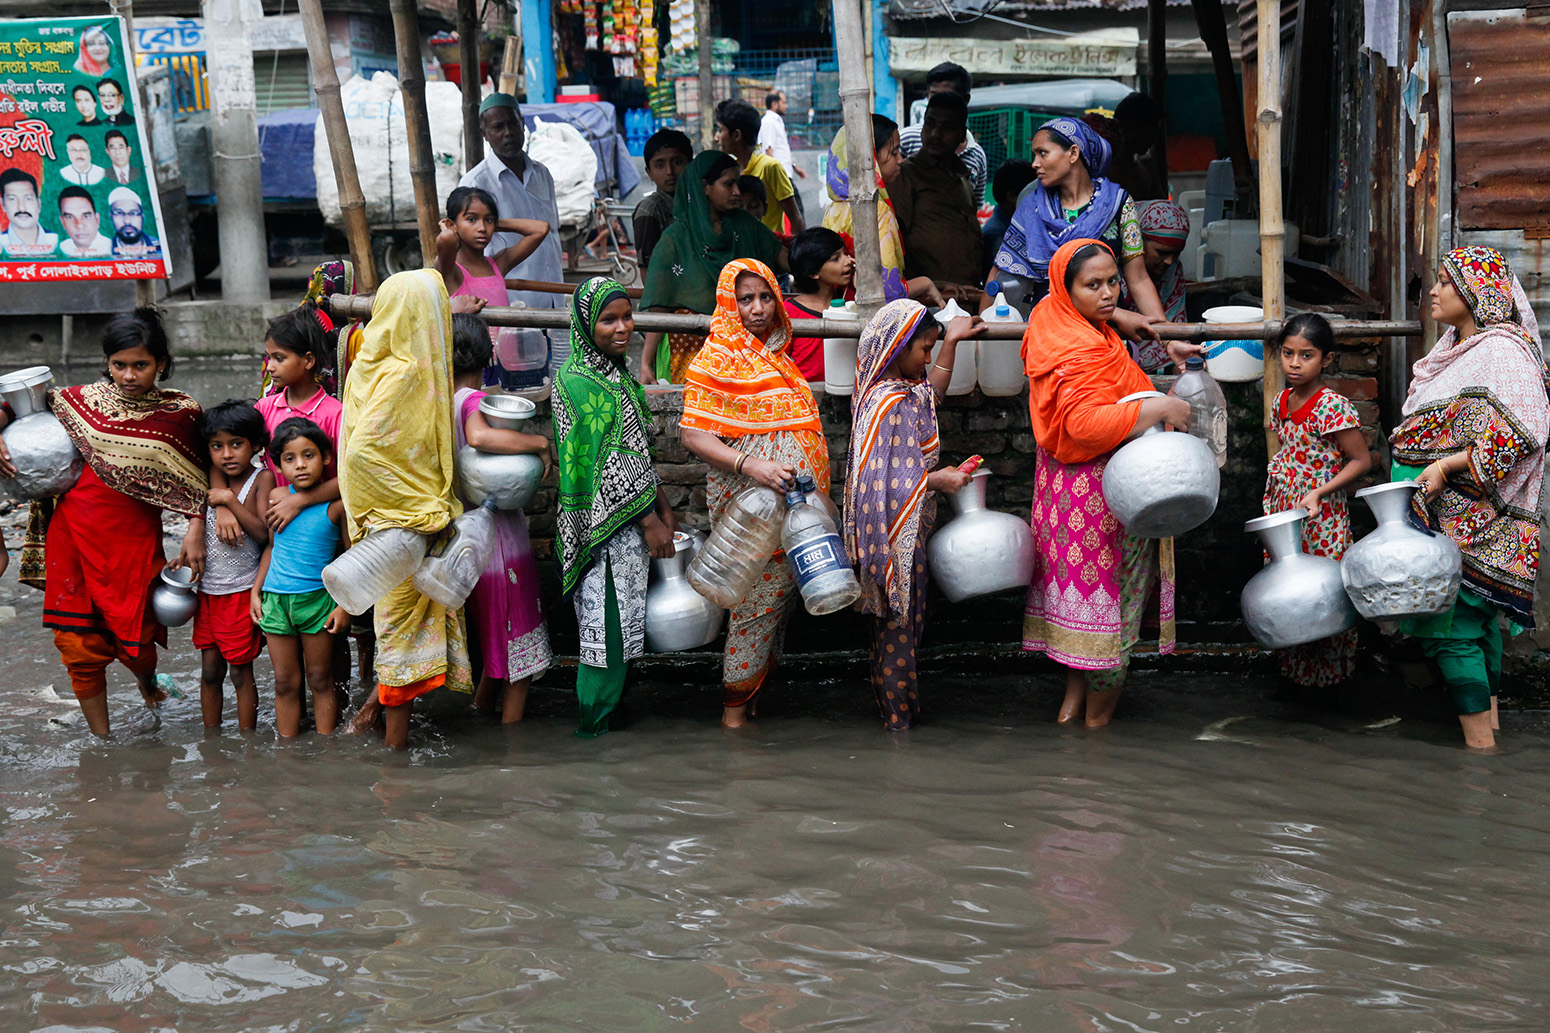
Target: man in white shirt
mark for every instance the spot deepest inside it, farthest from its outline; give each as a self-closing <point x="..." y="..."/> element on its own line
<point x="78" y="215"/>
<point x="523" y="189"/>
<point x="948" y="77"/>
<point x="774" y="142"/>
<point x="80" y="171"/>
<point x="24" y="236"/>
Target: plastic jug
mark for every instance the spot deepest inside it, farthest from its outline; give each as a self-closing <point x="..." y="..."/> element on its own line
<point x="839" y="353"/>
<point x="454" y="563"/>
<point x="741" y="543"/>
<point x="810" y="489"/>
<point x="1001" y="370"/>
<point x="1207" y="406"/>
<point x="817" y="555"/>
<point x="373" y="567"/>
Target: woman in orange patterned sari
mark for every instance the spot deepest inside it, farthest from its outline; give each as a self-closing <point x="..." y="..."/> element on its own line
<point x="749" y="414"/>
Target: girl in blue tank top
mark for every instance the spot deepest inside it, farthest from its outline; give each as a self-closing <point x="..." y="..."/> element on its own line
<point x="298" y="616"/>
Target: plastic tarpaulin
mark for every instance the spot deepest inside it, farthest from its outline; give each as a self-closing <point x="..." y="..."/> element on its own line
<point x="285" y="140"/>
<point x="599" y="124"/>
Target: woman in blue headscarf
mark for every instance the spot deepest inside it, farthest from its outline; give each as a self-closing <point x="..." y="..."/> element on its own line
<point x="1071" y="200"/>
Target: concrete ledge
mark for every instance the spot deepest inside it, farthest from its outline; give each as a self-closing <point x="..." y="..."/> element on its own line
<point x="208" y="328"/>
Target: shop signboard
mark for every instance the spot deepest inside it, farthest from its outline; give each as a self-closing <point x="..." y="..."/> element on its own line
<point x="1107" y="54"/>
<point x="78" y="198"/>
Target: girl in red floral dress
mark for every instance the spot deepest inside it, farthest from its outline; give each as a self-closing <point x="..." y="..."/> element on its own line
<point x="1322" y="452"/>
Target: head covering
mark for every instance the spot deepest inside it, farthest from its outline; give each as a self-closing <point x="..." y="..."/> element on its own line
<point x="1163" y="222"/>
<point x="739" y="384"/>
<point x="123" y="194"/>
<point x="893" y="446"/>
<point x="838" y="218"/>
<point x="498" y="100"/>
<point x="604" y="454"/>
<point x="396" y="443"/>
<point x="687" y="259"/>
<point x="1039" y="225"/>
<point x="1077" y="372"/>
<point x="336" y="277"/>
<point x="1481" y="277"/>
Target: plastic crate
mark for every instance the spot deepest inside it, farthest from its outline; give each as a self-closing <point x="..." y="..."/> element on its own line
<point x="686" y="93"/>
<point x="1005" y="134"/>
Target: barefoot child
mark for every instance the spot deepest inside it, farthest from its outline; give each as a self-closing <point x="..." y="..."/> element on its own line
<point x="298" y="616"/>
<point x="504" y="610"/>
<point x="472" y="219"/>
<point x="95" y="551"/>
<point x="1322" y="453"/>
<point x="224" y="631"/>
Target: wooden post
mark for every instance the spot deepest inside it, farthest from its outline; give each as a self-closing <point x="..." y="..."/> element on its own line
<point x="1213" y="31"/>
<point x="856" y="105"/>
<point x="706" y="54"/>
<point x="352" y="203"/>
<point x="417" y="126"/>
<point x="1271" y="229"/>
<point x="473" y="82"/>
<point x="511" y="63"/>
<point x="1157" y="80"/>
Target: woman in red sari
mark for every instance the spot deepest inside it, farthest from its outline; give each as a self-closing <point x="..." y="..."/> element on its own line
<point x="96" y="550"/>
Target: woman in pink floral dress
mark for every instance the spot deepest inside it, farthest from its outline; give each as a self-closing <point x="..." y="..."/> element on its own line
<point x="1322" y="453"/>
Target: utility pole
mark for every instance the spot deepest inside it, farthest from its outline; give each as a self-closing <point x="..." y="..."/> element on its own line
<point x="417" y="125"/>
<point x="234" y="144"/>
<point x="706" y="53"/>
<point x="856" y="105"/>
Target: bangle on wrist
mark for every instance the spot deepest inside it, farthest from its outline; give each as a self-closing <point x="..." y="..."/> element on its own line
<point x="737" y="467"/>
<point x="944" y="369"/>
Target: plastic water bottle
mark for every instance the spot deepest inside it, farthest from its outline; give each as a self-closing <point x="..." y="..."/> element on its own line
<point x="817" y="555"/>
<point x="453" y="565"/>
<point x="739" y="546"/>
<point x="1207" y="406"/>
<point x="1000" y="362"/>
<point x="822" y="500"/>
<point x="373" y="567"/>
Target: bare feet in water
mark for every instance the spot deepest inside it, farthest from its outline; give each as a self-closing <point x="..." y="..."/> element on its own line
<point x="368" y="718"/>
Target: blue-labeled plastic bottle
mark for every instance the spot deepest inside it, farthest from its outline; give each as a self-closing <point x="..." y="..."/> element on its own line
<point x="817" y="555"/>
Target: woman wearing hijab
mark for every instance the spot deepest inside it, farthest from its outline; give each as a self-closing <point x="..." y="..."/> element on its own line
<point x="1092" y="580"/>
<point x="1164" y="232"/>
<point x="1071" y="200"/>
<point x="710" y="229"/>
<point x="890" y="241"/>
<point x="750" y="416"/>
<point x="1476" y="420"/>
<point x="395" y="470"/>
<point x="890" y="507"/>
<point x="612" y="517"/>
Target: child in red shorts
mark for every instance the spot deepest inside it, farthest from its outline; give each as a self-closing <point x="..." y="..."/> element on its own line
<point x="224" y="631"/>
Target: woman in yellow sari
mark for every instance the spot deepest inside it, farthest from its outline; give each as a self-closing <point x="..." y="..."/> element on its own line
<point x="396" y="471"/>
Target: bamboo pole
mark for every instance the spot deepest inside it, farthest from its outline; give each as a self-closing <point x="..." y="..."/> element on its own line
<point x="473" y="82"/>
<point x="706" y="53"/>
<point x="856" y="105"/>
<point x="1157" y="80"/>
<point x="417" y="126"/>
<point x="352" y="307"/>
<point x="511" y="63"/>
<point x="1272" y="232"/>
<point x="546" y="287"/>
<point x="352" y="203"/>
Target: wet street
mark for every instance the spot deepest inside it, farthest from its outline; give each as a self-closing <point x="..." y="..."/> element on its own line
<point x="1220" y="859"/>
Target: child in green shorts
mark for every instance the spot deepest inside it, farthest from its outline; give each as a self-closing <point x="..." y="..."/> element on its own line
<point x="298" y="616"/>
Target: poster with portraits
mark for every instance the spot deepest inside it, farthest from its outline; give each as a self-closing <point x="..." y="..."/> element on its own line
<point x="78" y="194"/>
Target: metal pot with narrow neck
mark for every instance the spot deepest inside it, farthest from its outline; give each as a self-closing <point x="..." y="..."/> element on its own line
<point x="1297" y="598"/>
<point x="1399" y="571"/>
<point x="980" y="550"/>
<point x="1162" y="483"/>
<point x="46" y="460"/>
<point x="678" y="617"/>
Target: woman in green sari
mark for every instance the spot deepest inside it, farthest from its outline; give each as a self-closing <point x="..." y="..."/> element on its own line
<point x="710" y="229"/>
<point x="612" y="516"/>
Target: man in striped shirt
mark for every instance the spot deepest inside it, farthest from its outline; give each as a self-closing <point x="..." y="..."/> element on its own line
<point x="948" y="77"/>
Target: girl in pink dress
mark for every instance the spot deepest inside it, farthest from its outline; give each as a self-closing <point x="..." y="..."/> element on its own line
<point x="1322" y="453"/>
<point x="472" y="219"/>
<point x="504" y="610"/>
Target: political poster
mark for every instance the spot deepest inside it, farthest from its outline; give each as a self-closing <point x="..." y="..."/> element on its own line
<point x="78" y="194"/>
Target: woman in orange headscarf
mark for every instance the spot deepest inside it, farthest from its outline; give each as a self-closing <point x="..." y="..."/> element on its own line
<point x="749" y="414"/>
<point x="1091" y="579"/>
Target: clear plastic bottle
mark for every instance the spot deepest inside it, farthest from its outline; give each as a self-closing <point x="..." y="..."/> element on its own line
<point x="741" y="543"/>
<point x="453" y="565"/>
<point x="1207" y="406"/>
<point x="373" y="567"/>
<point x="817" y="555"/>
<point x="810" y="489"/>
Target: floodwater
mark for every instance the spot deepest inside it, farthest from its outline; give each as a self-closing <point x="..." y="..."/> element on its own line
<point x="1220" y="859"/>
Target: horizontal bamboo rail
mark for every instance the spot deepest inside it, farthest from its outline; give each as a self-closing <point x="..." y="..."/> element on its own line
<point x="545" y="287"/>
<point x="347" y="307"/>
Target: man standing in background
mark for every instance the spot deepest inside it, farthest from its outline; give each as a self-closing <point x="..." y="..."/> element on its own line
<point x="951" y="78"/>
<point x="776" y="144"/>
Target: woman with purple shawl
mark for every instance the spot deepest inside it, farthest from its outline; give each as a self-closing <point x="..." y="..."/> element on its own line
<point x="889" y="509"/>
<point x="1071" y="200"/>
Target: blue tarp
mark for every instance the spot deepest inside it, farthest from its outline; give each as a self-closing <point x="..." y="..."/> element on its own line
<point x="286" y="140"/>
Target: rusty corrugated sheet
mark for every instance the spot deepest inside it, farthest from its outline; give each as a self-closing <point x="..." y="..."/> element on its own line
<point x="1500" y="63"/>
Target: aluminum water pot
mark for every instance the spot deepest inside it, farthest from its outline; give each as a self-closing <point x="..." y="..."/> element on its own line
<point x="1297" y="598"/>
<point x="46" y="460"/>
<point x="511" y="481"/>
<point x="980" y="551"/>
<point x="1399" y="571"/>
<point x="1163" y="483"/>
<point x="678" y="617"/>
<point x="173" y="600"/>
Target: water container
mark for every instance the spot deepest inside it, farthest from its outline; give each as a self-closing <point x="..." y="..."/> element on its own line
<point x="373" y="567"/>
<point x="453" y="564"/>
<point x="1001" y="370"/>
<point x="817" y="555"/>
<point x="1235" y="362"/>
<point x="949" y="312"/>
<point x="810" y="489"/>
<point x="839" y="353"/>
<point x="965" y="368"/>
<point x="522" y="353"/>
<point x="740" y="544"/>
<point x="1207" y="407"/>
<point x="46" y="460"/>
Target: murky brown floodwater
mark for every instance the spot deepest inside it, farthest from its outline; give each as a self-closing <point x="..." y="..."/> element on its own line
<point x="1287" y="871"/>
